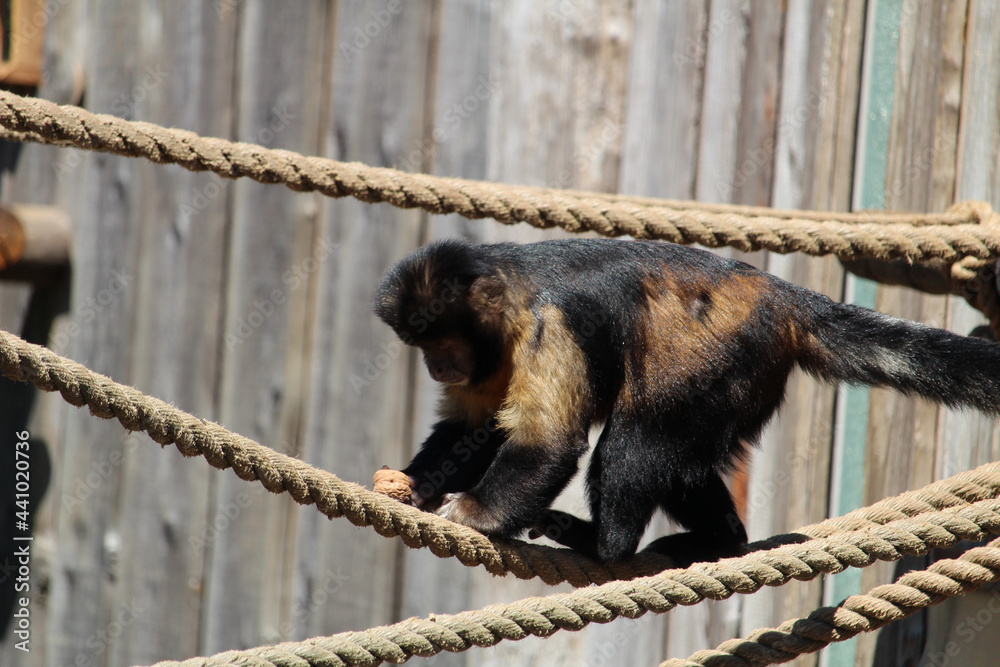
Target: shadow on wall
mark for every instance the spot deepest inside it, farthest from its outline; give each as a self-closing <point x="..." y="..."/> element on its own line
<point x="25" y="469"/>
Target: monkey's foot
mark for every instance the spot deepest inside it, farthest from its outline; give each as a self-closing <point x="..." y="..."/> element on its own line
<point x="688" y="548"/>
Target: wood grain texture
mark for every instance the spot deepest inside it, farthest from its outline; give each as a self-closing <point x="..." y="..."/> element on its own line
<point x="248" y="582"/>
<point x="665" y="80"/>
<point x="32" y="174"/>
<point x="920" y="176"/>
<point x="465" y="95"/>
<point x="185" y="77"/>
<point x="358" y="405"/>
<point x="790" y="473"/>
<point x="86" y="566"/>
<point x="725" y="101"/>
<point x="562" y="69"/>
<point x="735" y="153"/>
<point x="965" y="438"/>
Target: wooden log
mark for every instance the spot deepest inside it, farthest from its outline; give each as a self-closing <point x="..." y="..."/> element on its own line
<point x="11" y="239"/>
<point x="35" y="243"/>
<point x="22" y="64"/>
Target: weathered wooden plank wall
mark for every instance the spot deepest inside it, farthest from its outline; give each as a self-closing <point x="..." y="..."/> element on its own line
<point x="264" y="320"/>
<point x="738" y="91"/>
<point x="182" y="76"/>
<point x="86" y="574"/>
<point x="919" y="176"/>
<point x="43" y="175"/>
<point x="375" y="114"/>
<point x="956" y="160"/>
<point x="562" y="94"/>
<point x="455" y="139"/>
<point x="249" y="304"/>
<point x="813" y="159"/>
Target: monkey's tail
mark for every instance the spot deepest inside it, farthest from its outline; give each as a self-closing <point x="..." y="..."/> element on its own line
<point x="860" y="346"/>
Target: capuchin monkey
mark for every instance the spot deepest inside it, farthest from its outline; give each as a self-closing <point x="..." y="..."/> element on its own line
<point x="682" y="355"/>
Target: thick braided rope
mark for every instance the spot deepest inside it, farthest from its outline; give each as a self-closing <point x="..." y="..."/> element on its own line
<point x="976" y="280"/>
<point x="881" y="535"/>
<point x="968" y="231"/>
<point x="277" y="472"/>
<point x="165" y="424"/>
<point x="857" y="614"/>
<point x="542" y="616"/>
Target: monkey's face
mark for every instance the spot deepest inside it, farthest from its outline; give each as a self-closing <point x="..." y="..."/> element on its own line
<point x="449" y="360"/>
<point x="448" y="300"/>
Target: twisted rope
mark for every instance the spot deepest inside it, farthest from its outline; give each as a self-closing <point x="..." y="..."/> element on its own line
<point x="543" y="616"/>
<point x="859" y="613"/>
<point x="277" y="472"/>
<point x="165" y="424"/>
<point x="963" y="232"/>
<point x="961" y="507"/>
<point x="968" y="230"/>
<point x="976" y="280"/>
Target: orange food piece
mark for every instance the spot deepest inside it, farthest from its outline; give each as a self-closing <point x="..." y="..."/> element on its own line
<point x="393" y="483"/>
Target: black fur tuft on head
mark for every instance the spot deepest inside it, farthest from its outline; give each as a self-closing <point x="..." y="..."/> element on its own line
<point x="424" y="295"/>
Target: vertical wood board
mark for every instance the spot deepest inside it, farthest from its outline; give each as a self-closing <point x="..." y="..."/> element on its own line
<point x="247" y="584"/>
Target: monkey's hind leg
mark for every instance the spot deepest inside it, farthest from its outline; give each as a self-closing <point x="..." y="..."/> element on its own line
<point x="625" y="484"/>
<point x="623" y="493"/>
<point x="570" y="531"/>
<point x="708" y="512"/>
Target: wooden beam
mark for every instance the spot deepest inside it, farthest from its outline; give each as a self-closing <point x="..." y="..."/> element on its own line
<point x="35" y="243"/>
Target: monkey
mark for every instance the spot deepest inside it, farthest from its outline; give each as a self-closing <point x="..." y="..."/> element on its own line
<point x="680" y="356"/>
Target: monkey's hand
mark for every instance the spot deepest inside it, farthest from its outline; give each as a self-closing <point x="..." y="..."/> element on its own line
<point x="466" y="510"/>
<point x="428" y="503"/>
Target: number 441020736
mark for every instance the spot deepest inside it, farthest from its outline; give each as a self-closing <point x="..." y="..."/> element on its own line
<point x="21" y="480"/>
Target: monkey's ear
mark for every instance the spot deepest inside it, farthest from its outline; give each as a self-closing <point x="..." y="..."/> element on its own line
<point x="486" y="298"/>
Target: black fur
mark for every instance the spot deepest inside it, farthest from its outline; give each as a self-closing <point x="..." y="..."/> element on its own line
<point x="861" y="346"/>
<point x="672" y="428"/>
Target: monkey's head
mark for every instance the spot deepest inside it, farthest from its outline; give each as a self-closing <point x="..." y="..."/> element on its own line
<point x="447" y="298"/>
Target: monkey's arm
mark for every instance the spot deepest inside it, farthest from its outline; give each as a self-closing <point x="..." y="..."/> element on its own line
<point x="545" y="418"/>
<point x="452" y="459"/>
<point x="520" y="484"/>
